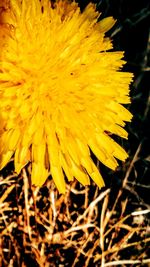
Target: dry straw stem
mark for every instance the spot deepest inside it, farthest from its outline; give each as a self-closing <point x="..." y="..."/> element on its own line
<point x="95" y="233"/>
<point x="106" y="216"/>
<point x="115" y="263"/>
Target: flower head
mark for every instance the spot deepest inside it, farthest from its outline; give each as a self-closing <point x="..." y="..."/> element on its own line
<point x="61" y="91"/>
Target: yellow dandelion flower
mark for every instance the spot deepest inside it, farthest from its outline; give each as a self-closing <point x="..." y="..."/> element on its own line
<point x="61" y="91"/>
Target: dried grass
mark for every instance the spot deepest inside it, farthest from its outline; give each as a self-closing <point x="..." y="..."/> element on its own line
<point x="82" y="228"/>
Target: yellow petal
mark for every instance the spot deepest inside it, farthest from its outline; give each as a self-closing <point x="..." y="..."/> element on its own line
<point x="96" y="176"/>
<point x="14" y="139"/>
<point x="102" y="155"/>
<point x="22" y="157"/>
<point x="58" y="177"/>
<point x="106" y="24"/>
<point x="4" y="159"/>
<point x="66" y="167"/>
<point x="79" y="173"/>
<point x="39" y="174"/>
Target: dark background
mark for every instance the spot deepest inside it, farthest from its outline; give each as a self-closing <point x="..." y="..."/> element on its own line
<point x="131" y="34"/>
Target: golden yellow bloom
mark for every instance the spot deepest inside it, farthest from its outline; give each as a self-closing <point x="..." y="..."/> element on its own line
<point x="61" y="91"/>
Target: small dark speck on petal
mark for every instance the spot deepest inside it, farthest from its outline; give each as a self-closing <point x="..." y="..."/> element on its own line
<point x="42" y="9"/>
